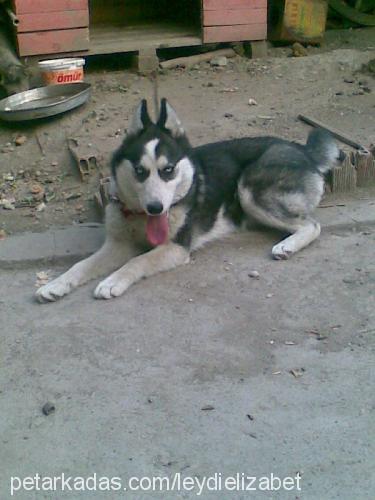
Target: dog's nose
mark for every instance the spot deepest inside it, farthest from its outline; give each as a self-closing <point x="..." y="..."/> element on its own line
<point x="155" y="208"/>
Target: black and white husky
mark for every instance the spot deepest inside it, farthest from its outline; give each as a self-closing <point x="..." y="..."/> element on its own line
<point x="170" y="199"/>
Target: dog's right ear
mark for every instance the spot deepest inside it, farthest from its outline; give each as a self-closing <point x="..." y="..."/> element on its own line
<point x="141" y="119"/>
<point x="169" y="120"/>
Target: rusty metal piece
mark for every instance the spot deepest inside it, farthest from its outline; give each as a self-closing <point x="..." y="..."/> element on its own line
<point x="85" y="155"/>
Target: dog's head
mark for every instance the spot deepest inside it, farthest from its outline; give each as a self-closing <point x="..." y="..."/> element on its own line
<point x="151" y="168"/>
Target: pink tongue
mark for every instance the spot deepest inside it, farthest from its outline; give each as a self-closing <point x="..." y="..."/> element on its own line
<point x="157" y="229"/>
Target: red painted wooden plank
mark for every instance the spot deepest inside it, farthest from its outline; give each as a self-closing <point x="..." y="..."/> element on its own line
<point x="237" y="33"/>
<point x="53" y="42"/>
<point x="53" y="20"/>
<point x="33" y="6"/>
<point x="232" y="17"/>
<point x="234" y="4"/>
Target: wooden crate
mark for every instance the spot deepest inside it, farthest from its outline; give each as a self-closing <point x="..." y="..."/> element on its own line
<point x="51" y="27"/>
<point x="234" y="20"/>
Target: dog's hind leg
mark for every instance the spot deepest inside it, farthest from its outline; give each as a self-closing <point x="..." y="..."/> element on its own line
<point x="308" y="231"/>
<point x="112" y="255"/>
<point x="303" y="228"/>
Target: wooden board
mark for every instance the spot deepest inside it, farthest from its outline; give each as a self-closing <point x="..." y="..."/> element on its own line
<point x="52" y="42"/>
<point x="234" y="4"/>
<point x="225" y="17"/>
<point x="44" y="21"/>
<point x="213" y="34"/>
<point x="107" y="39"/>
<point x="34" y="6"/>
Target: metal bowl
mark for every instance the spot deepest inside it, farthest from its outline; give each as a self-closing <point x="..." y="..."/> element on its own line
<point x="44" y="101"/>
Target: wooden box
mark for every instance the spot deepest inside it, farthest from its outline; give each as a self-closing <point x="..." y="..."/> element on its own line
<point x="234" y="20"/>
<point x="51" y="26"/>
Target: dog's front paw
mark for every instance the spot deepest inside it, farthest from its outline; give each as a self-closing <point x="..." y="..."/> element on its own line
<point x="110" y="287"/>
<point x="54" y="290"/>
<point x="281" y="252"/>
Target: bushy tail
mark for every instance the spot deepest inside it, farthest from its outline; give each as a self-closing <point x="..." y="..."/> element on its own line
<point x="323" y="150"/>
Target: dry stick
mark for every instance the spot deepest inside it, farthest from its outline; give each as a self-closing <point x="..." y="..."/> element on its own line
<point x="336" y="133"/>
<point x="191" y="60"/>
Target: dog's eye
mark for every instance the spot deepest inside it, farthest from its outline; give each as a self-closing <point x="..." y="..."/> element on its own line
<point x="141" y="173"/>
<point x="139" y="170"/>
<point x="169" y="169"/>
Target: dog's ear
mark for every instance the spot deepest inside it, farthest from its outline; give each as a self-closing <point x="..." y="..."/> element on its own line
<point x="141" y="118"/>
<point x="169" y="120"/>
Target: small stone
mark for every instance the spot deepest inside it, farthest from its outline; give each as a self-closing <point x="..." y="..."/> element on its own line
<point x="20" y="139"/>
<point x="228" y="115"/>
<point x="7" y="204"/>
<point x="252" y="102"/>
<point x="36" y="189"/>
<point x="40" y="207"/>
<point x="48" y="408"/>
<point x="254" y="274"/>
<point x="269" y="295"/>
<point x="219" y="61"/>
<point x="207" y="408"/>
<point x="3" y="234"/>
<point x="298" y="50"/>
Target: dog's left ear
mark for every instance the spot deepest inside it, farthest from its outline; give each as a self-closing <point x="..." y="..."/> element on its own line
<point x="169" y="120"/>
<point x="141" y="118"/>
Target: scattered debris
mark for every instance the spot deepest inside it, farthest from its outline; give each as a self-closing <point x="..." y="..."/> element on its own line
<point x="8" y="203"/>
<point x="20" y="139"/>
<point x="289" y="342"/>
<point x="297" y="372"/>
<point x="186" y="62"/>
<point x="40" y="207"/>
<point x="276" y="373"/>
<point x="3" y="234"/>
<point x="36" y="189"/>
<point x="298" y="50"/>
<point x="73" y="196"/>
<point x="230" y="89"/>
<point x="252" y="102"/>
<point x="254" y="274"/>
<point x="207" y="408"/>
<point x="269" y="295"/>
<point x="228" y="115"/>
<point x="48" y="408"/>
<point x="102" y="196"/>
<point x="251" y="434"/>
<point x="250" y="417"/>
<point x="85" y="157"/>
<point x="219" y="61"/>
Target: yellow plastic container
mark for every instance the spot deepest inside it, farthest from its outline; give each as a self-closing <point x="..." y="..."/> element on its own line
<point x="298" y="20"/>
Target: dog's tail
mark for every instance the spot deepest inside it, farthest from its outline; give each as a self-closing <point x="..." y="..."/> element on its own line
<point x="323" y="150"/>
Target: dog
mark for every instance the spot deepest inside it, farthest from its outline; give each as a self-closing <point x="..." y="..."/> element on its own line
<point x="169" y="199"/>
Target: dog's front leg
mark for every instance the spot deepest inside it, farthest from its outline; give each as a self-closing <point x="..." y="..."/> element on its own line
<point x="112" y="255"/>
<point x="162" y="258"/>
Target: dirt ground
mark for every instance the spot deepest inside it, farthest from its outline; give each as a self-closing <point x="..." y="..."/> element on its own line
<point x="40" y="186"/>
<point x="198" y="371"/>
